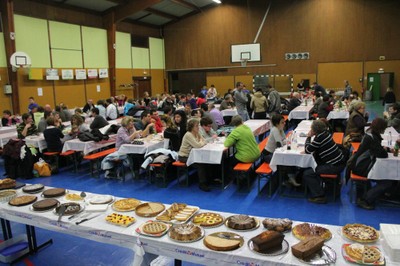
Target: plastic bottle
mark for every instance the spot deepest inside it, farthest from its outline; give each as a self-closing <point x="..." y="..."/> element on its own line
<point x="294" y="141"/>
<point x="396" y="150"/>
<point x="390" y="139"/>
<point x="289" y="143"/>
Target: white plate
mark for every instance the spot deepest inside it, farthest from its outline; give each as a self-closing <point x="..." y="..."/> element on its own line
<point x="101" y="199"/>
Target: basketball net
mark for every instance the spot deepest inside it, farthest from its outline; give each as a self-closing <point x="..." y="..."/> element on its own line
<point x="243" y="62"/>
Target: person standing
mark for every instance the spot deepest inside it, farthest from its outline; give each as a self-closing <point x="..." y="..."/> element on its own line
<point x="259" y="104"/>
<point x="347" y="89"/>
<point x="241" y="101"/>
<point x="389" y="99"/>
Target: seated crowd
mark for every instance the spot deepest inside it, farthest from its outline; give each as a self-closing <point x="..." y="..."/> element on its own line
<point x="192" y="122"/>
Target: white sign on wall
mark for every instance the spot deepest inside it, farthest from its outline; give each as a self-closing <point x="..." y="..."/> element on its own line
<point x="67" y="74"/>
<point x="80" y="73"/>
<point x="92" y="73"/>
<point x="103" y="73"/>
<point x="52" y="74"/>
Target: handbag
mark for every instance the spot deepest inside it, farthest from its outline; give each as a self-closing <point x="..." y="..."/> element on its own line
<point x="42" y="168"/>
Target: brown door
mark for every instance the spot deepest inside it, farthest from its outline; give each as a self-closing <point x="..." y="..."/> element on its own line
<point x="140" y="85"/>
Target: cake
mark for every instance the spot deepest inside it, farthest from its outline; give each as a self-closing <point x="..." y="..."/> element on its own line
<point x="33" y="188"/>
<point x="46" y="204"/>
<point x="305" y="230"/>
<point x="267" y="240"/>
<point x="119" y="219"/>
<point x="306" y="248"/>
<point x="217" y="242"/>
<point x="149" y="209"/>
<point x="280" y="225"/>
<point x="241" y="222"/>
<point x="185" y="232"/>
<point x="71" y="208"/>
<point x="53" y="192"/>
<point x="207" y="219"/>
<point x="22" y="200"/>
<point x="7" y="183"/>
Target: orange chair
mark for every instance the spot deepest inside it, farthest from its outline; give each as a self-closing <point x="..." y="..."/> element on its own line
<point x="179" y="167"/>
<point x="338" y="137"/>
<point x="264" y="170"/>
<point x="355" y="146"/>
<point x="354" y="179"/>
<point x="335" y="179"/>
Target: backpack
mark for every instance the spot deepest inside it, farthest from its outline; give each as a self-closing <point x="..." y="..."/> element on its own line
<point x="364" y="164"/>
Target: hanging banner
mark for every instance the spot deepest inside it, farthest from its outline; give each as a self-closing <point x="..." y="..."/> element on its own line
<point x="80" y="73"/>
<point x="103" y="73"/>
<point x="67" y="74"/>
<point x="52" y="74"/>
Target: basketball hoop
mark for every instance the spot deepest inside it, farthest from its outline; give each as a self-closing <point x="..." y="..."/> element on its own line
<point x="243" y="62"/>
<point x="20" y="60"/>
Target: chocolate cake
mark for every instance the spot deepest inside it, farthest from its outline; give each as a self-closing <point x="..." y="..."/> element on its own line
<point x="71" y="208"/>
<point x="53" y="192"/>
<point x="268" y="240"/>
<point x="33" y="188"/>
<point x="46" y="204"/>
<point x="308" y="247"/>
<point x="241" y="222"/>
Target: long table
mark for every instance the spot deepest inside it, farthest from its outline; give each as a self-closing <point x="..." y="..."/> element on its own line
<point x="97" y="229"/>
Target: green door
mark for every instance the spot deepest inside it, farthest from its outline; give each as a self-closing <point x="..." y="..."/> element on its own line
<point x="374" y="85"/>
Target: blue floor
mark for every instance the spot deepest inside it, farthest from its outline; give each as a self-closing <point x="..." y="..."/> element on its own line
<point x="70" y="250"/>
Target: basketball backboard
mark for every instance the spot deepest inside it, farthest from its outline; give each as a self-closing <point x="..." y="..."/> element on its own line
<point x="250" y="52"/>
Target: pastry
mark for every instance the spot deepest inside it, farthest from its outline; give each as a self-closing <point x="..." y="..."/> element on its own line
<point x="267" y="240"/>
<point x="241" y="222"/>
<point x="360" y="233"/>
<point x="46" y="204"/>
<point x="119" y="219"/>
<point x="207" y="219"/>
<point x="71" y="208"/>
<point x="218" y="242"/>
<point x="53" y="192"/>
<point x="154" y="228"/>
<point x="306" y="248"/>
<point x="149" y="209"/>
<point x="126" y="204"/>
<point x="22" y="200"/>
<point x="277" y="224"/>
<point x="185" y="232"/>
<point x="7" y="183"/>
<point x="177" y="211"/>
<point x="71" y="196"/>
<point x="33" y="188"/>
<point x="7" y="195"/>
<point x="306" y="230"/>
<point x="363" y="253"/>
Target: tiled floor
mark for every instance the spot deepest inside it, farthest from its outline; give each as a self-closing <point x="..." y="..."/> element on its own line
<point x="70" y="250"/>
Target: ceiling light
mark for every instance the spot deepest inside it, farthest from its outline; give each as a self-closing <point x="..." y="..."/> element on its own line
<point x="217" y="1"/>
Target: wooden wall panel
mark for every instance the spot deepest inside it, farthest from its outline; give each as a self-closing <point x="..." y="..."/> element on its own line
<point x="331" y="30"/>
<point x="247" y="80"/>
<point x="332" y="75"/>
<point x="91" y="89"/>
<point x="71" y="93"/>
<point x="282" y="83"/>
<point x="5" y="100"/>
<point x="124" y="77"/>
<point x="298" y="77"/>
<point x="388" y="66"/>
<point x="157" y="81"/>
<point x="221" y="83"/>
<point x="28" y="88"/>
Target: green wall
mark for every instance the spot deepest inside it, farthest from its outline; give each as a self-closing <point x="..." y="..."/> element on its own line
<point x="157" y="58"/>
<point x="3" y="59"/>
<point x="123" y="50"/>
<point x="95" y="53"/>
<point x="31" y="37"/>
<point x="140" y="58"/>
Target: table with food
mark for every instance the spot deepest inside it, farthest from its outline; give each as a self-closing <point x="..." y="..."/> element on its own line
<point x="189" y="233"/>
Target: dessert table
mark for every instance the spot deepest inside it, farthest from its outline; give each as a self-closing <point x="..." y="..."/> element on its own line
<point x="301" y="112"/>
<point x="97" y="229"/>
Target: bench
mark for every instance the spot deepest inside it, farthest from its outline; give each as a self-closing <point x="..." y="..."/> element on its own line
<point x="96" y="157"/>
<point x="334" y="179"/>
<point x="56" y="154"/>
<point x="181" y="166"/>
<point x="264" y="170"/>
<point x="354" y="179"/>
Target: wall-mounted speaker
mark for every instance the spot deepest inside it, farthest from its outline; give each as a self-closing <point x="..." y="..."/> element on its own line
<point x="297" y="56"/>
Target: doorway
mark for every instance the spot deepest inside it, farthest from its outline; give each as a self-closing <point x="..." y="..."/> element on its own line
<point x="140" y="85"/>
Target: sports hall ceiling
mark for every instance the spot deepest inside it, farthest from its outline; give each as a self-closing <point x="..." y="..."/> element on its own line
<point x="155" y="13"/>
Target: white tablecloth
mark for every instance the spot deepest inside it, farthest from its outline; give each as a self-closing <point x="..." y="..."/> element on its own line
<point x="10" y="129"/>
<point x="87" y="146"/>
<point x="148" y="146"/>
<point x="336" y="114"/>
<point x="39" y="142"/>
<point x="300" y="112"/>
<point x="5" y="137"/>
<point x="258" y="126"/>
<point x="292" y="157"/>
<point x="229" y="112"/>
<point x="97" y="229"/>
<point x="210" y="153"/>
<point x="386" y="168"/>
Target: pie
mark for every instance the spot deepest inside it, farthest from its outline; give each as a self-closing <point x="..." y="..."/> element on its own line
<point x="362" y="253"/>
<point x="71" y="196"/>
<point x="208" y="219"/>
<point x="360" y="233"/>
<point x="44" y="205"/>
<point x="186" y="232"/>
<point x="125" y="205"/>
<point x="149" y="209"/>
<point x="7" y="195"/>
<point x="121" y="220"/>
<point x="154" y="228"/>
<point x="22" y="200"/>
<point x="223" y="241"/>
<point x="7" y="183"/>
<point x="306" y="230"/>
<point x="53" y="192"/>
<point x="33" y="188"/>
